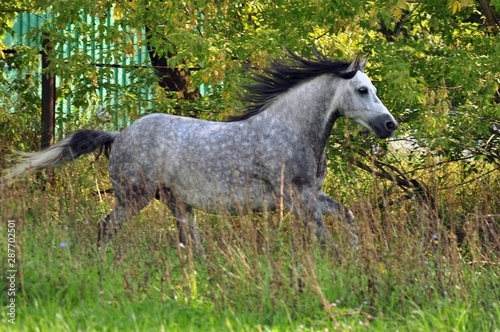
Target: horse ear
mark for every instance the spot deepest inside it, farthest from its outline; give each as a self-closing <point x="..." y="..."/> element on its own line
<point x="354" y="65"/>
<point x="362" y="64"/>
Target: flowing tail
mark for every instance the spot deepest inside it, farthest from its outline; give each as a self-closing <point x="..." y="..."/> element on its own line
<point x="70" y="148"/>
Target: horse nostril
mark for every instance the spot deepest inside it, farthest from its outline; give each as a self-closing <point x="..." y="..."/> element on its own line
<point x="391" y="125"/>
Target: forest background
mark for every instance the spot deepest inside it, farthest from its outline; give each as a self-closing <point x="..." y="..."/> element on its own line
<point x="436" y="67"/>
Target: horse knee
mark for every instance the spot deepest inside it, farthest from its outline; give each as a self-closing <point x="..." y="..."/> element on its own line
<point x="328" y="207"/>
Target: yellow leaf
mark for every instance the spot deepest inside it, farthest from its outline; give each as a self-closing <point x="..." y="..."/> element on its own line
<point x="397" y="14"/>
<point x="456" y="7"/>
<point x="382" y="268"/>
<point x="117" y="14"/>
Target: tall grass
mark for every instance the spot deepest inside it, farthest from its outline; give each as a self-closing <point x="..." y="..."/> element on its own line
<point x="417" y="268"/>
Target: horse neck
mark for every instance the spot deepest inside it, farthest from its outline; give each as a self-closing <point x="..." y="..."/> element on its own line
<point x="310" y="108"/>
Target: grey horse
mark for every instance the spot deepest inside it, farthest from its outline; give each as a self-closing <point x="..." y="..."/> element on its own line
<point x="270" y="157"/>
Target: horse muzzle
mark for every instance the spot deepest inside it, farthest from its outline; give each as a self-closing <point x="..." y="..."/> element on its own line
<point x="384" y="126"/>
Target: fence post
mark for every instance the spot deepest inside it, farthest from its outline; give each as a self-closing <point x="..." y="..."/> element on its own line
<point x="48" y="100"/>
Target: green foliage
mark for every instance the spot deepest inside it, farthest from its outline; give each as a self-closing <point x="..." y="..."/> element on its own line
<point x="19" y="98"/>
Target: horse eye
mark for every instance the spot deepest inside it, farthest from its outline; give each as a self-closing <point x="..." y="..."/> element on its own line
<point x="363" y="90"/>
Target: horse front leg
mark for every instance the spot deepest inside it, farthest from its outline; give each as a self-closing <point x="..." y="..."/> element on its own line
<point x="330" y="207"/>
<point x="308" y="208"/>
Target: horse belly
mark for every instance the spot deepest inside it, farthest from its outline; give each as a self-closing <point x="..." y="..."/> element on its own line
<point x="231" y="197"/>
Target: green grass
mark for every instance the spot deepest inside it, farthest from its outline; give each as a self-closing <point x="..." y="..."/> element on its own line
<point x="414" y="272"/>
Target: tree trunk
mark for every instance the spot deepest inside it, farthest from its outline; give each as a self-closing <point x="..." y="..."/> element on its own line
<point x="492" y="17"/>
<point x="171" y="79"/>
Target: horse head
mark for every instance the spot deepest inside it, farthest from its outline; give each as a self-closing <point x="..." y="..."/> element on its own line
<point x="361" y="104"/>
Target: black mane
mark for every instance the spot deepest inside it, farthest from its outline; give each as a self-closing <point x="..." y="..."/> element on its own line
<point x="281" y="76"/>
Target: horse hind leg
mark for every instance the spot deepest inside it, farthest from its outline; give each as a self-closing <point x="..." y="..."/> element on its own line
<point x="184" y="215"/>
<point x="130" y="200"/>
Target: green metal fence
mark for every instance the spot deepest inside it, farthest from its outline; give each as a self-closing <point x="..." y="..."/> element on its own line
<point x="107" y="101"/>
